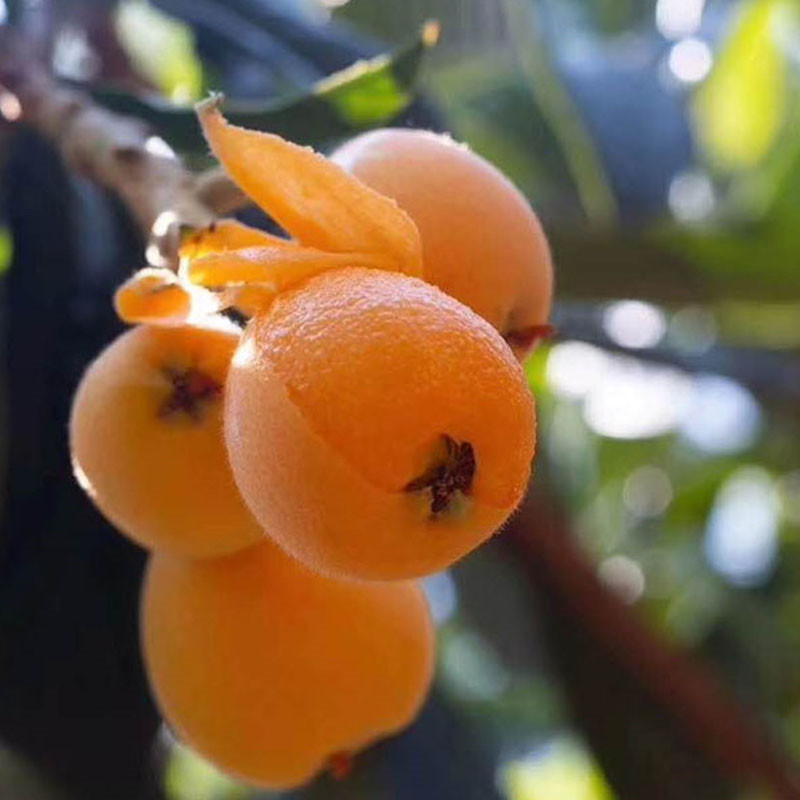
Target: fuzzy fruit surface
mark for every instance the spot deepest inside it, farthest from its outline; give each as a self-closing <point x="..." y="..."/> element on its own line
<point x="481" y="241"/>
<point x="146" y="440"/>
<point x="270" y="670"/>
<point x="376" y="427"/>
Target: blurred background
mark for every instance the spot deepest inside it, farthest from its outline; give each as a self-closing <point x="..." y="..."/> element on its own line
<point x="636" y="631"/>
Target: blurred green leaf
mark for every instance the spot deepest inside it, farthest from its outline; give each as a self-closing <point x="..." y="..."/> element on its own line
<point x="740" y="109"/>
<point x="161" y="48"/>
<point x="190" y="777"/>
<point x="469" y="667"/>
<point x="366" y="94"/>
<point x="777" y="185"/>
<point x="20" y="779"/>
<point x="491" y="107"/>
<point x="6" y="249"/>
<point x="563" y="772"/>
<point x="770" y="325"/>
<point x="574" y="140"/>
<point x="756" y="262"/>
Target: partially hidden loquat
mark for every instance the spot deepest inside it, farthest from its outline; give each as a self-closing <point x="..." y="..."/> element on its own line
<point x="146" y="439"/>
<point x="481" y="241"/>
<point x="272" y="671"/>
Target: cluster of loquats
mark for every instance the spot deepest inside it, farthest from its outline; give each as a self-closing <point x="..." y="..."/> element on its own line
<point x="370" y="424"/>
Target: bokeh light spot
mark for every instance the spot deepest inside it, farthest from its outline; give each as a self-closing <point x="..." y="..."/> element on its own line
<point x="678" y="18"/>
<point x="573" y="368"/>
<point x="691" y="196"/>
<point x="647" y="492"/>
<point x="722" y="418"/>
<point x="623" y="576"/>
<point x="690" y="60"/>
<point x="442" y="595"/>
<point x="637" y="401"/>
<point x="742" y="535"/>
<point x="631" y="323"/>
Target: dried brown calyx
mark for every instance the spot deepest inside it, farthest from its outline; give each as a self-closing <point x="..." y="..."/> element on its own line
<point x="450" y="475"/>
<point x="192" y="389"/>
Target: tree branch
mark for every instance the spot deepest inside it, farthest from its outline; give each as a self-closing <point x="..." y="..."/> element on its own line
<point x="218" y="191"/>
<point x="709" y="718"/>
<point x="119" y="152"/>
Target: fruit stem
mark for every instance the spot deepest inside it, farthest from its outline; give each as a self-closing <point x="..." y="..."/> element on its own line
<point x="190" y="388"/>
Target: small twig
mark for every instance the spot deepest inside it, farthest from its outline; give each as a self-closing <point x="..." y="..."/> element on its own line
<point x="218" y="191"/>
<point x="119" y="152"/>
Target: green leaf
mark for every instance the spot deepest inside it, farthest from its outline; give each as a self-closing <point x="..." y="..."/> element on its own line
<point x="6" y="249"/>
<point x="379" y="96"/>
<point x="190" y="777"/>
<point x="563" y="772"/>
<point x="490" y="106"/>
<point x="746" y="263"/>
<point x="776" y="186"/>
<point x="677" y="265"/>
<point x="366" y="94"/>
<point x="162" y="49"/>
<point x="740" y="109"/>
<point x="574" y="140"/>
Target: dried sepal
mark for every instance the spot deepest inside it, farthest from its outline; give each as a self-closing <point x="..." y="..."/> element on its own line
<point x="276" y="267"/>
<point x="246" y="299"/>
<point x="156" y="296"/>
<point x="153" y="295"/>
<point x="315" y="200"/>
<point x="224" y="235"/>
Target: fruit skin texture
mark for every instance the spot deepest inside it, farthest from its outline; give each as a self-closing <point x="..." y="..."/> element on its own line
<point x="338" y="398"/>
<point x="481" y="241"/>
<point x="269" y="669"/>
<point x="158" y="471"/>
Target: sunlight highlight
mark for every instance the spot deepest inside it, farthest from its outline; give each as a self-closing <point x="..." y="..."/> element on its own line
<point x="10" y="107"/>
<point x="678" y="18"/>
<point x="574" y="368"/>
<point x="742" y="534"/>
<point x="164" y="221"/>
<point x="723" y="417"/>
<point x="558" y="770"/>
<point x="690" y="60"/>
<point x="440" y="589"/>
<point x="82" y="479"/>
<point x="74" y="57"/>
<point x="637" y="401"/>
<point x="691" y="196"/>
<point x="471" y="667"/>
<point x="623" y="576"/>
<point x="692" y="329"/>
<point x="154" y="256"/>
<point x="634" y="324"/>
<point x="647" y="492"/>
<point x="156" y="146"/>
